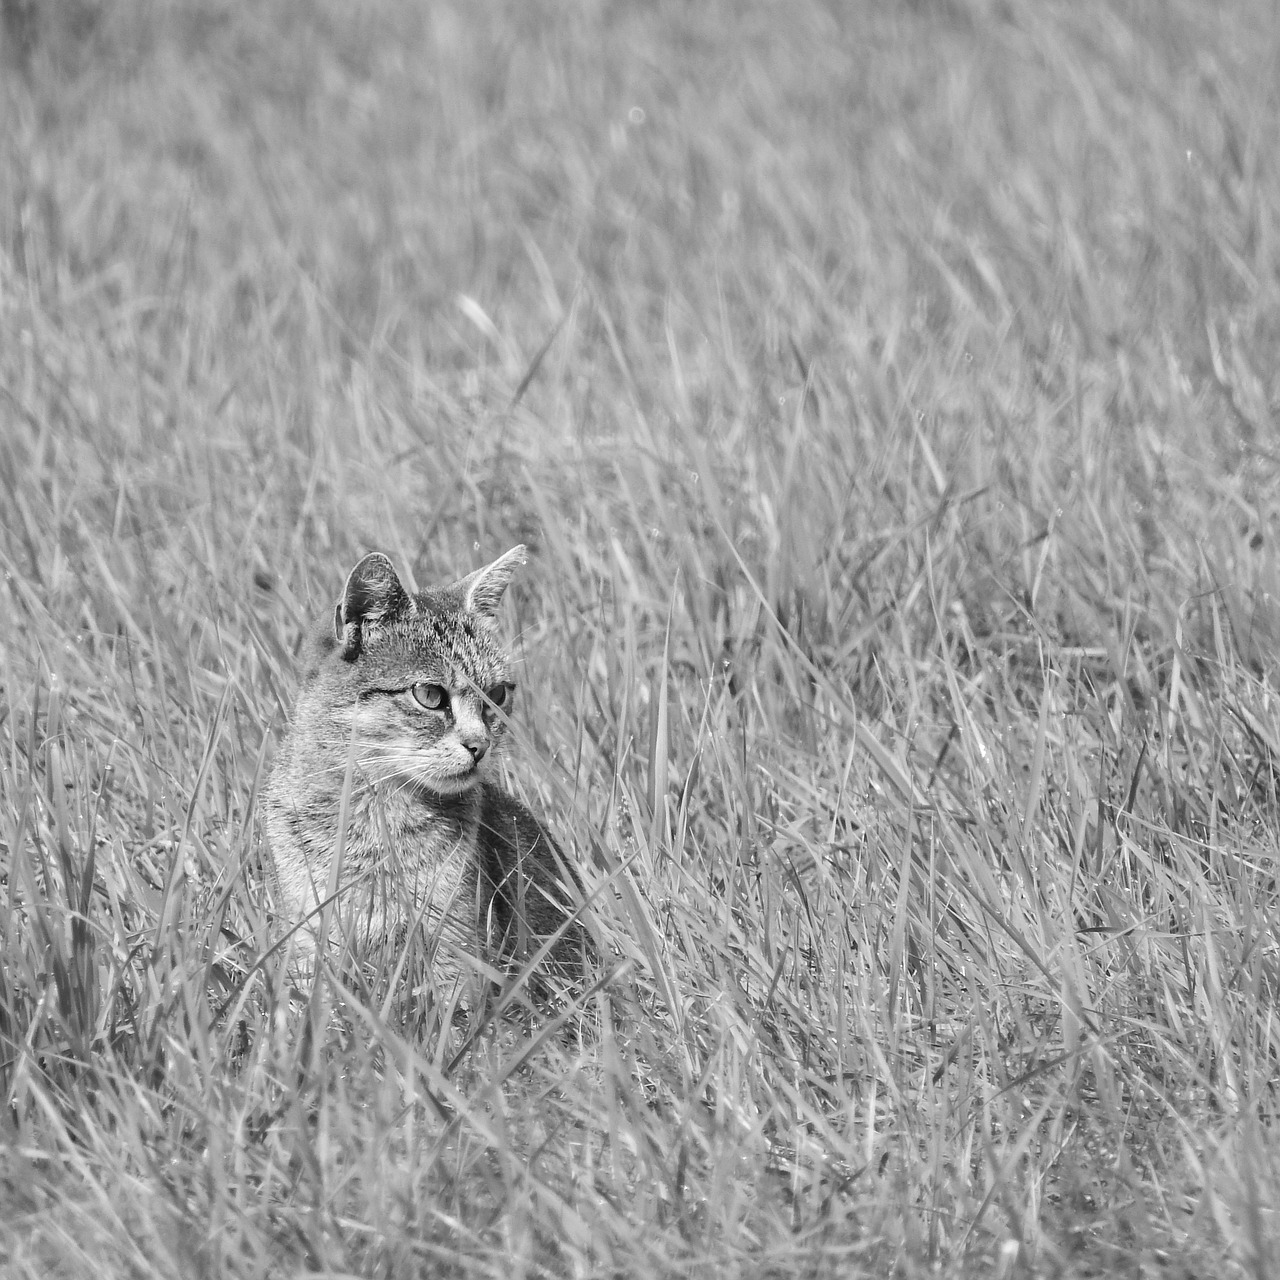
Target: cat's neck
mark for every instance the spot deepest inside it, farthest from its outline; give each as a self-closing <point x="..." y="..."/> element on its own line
<point x="400" y="804"/>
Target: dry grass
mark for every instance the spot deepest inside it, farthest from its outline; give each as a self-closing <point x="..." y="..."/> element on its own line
<point x="887" y="391"/>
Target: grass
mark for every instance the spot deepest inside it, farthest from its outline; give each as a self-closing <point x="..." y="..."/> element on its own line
<point x="886" y="392"/>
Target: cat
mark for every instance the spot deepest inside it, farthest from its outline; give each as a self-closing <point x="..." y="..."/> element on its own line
<point x="402" y="706"/>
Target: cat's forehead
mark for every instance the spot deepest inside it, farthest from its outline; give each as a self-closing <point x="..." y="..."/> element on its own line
<point x="450" y="643"/>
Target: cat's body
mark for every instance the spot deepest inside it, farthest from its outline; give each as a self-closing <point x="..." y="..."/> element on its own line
<point x="397" y="718"/>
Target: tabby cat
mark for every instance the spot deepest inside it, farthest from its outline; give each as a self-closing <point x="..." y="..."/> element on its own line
<point x="403" y="703"/>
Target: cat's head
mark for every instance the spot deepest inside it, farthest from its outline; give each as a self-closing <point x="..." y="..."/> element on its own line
<point x="418" y="683"/>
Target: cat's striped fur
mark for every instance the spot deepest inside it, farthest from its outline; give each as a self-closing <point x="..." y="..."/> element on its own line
<point x="402" y="704"/>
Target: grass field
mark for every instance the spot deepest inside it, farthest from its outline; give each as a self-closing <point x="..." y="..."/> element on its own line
<point x="887" y="393"/>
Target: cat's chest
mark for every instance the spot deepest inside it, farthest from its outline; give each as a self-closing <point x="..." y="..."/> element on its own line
<point x="396" y="833"/>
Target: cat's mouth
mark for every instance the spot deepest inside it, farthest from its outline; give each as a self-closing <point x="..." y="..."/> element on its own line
<point x="456" y="782"/>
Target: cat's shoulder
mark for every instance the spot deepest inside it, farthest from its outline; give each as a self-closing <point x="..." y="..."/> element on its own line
<point x="510" y="825"/>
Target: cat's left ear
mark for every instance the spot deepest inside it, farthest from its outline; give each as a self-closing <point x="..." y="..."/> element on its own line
<point x="482" y="591"/>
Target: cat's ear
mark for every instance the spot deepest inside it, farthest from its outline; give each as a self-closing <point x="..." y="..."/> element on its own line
<point x="372" y="595"/>
<point x="482" y="591"/>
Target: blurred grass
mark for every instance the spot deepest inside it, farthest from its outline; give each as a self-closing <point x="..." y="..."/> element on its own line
<point x="887" y="392"/>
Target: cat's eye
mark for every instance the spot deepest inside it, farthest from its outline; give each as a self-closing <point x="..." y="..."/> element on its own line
<point x="497" y="695"/>
<point x="431" y="696"/>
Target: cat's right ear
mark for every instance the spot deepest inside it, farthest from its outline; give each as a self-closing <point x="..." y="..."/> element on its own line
<point x="372" y="595"/>
<point x="482" y="590"/>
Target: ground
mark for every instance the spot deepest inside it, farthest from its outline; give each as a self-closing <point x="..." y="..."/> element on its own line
<point x="886" y="394"/>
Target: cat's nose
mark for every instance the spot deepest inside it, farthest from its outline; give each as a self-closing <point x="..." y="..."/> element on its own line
<point x="478" y="748"/>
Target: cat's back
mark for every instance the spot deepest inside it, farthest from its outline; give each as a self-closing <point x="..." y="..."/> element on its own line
<point x="298" y="815"/>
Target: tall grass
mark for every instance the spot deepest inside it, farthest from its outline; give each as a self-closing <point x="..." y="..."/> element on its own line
<point x="887" y="393"/>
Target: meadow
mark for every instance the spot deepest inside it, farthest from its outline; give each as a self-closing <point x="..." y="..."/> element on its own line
<point x="887" y="394"/>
